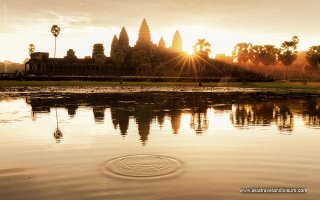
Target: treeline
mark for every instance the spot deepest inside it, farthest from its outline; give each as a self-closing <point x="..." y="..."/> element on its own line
<point x="11" y="67"/>
<point x="270" y="55"/>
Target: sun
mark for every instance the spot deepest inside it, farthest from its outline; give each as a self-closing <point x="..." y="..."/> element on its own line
<point x="188" y="44"/>
<point x="189" y="51"/>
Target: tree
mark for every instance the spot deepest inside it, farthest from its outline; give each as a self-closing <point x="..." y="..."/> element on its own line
<point x="254" y="54"/>
<point x="313" y="57"/>
<point x="55" y="30"/>
<point x="31" y="49"/>
<point x="2" y="67"/>
<point x="203" y="47"/>
<point x="201" y="50"/>
<point x="265" y="54"/>
<point x="268" y="55"/>
<point x="242" y="52"/>
<point x="287" y="53"/>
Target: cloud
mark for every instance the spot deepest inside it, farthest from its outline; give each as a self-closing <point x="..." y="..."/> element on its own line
<point x="258" y="15"/>
<point x="29" y="20"/>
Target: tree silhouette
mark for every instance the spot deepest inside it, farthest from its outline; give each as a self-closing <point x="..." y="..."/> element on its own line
<point x="242" y="52"/>
<point x="201" y="50"/>
<point x="31" y="49"/>
<point x="254" y="54"/>
<point x="313" y="57"/>
<point x="203" y="47"/>
<point x="288" y="51"/>
<point x="55" y="30"/>
<point x="268" y="55"/>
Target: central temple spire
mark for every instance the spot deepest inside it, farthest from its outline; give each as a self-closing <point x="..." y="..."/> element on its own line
<point x="144" y="39"/>
<point x="177" y="42"/>
<point x="123" y="38"/>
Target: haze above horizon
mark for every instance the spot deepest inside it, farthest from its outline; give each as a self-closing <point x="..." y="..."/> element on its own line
<point x="222" y="23"/>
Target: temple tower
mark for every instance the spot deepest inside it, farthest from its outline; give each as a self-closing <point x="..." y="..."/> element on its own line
<point x="70" y="54"/>
<point x="123" y="38"/>
<point x="114" y="45"/>
<point x="144" y="38"/>
<point x="161" y="44"/>
<point x="98" y="50"/>
<point x="177" y="42"/>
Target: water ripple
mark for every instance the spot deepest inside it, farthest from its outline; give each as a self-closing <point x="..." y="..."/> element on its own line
<point x="143" y="166"/>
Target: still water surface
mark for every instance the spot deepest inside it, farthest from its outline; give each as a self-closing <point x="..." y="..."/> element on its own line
<point x="158" y="145"/>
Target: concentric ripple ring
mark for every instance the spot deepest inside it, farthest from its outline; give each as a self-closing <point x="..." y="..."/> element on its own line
<point x="143" y="166"/>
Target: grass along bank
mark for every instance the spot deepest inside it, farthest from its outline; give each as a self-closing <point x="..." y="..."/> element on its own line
<point x="264" y="86"/>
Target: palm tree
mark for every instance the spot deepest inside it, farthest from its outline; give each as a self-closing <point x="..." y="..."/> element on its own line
<point x="201" y="50"/>
<point x="57" y="133"/>
<point x="31" y="49"/>
<point x="55" y="30"/>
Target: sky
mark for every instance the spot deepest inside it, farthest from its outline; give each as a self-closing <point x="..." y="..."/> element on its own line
<point x="221" y="22"/>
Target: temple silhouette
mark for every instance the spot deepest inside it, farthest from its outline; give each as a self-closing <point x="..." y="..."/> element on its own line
<point x="143" y="59"/>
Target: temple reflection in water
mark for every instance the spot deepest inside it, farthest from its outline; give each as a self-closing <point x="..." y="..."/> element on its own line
<point x="146" y="108"/>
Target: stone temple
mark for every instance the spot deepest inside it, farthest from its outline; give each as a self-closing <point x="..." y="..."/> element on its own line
<point x="145" y="58"/>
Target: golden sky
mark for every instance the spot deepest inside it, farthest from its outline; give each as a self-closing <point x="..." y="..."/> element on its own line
<point x="222" y="22"/>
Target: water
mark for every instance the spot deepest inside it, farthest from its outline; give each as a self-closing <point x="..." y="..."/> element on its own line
<point x="158" y="145"/>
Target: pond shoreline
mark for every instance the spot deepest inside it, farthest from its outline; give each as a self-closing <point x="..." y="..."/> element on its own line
<point x="145" y="89"/>
<point x="26" y="87"/>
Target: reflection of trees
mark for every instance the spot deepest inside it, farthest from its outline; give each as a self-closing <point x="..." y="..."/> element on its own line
<point x="199" y="122"/>
<point x="242" y="115"/>
<point x="57" y="133"/>
<point x="284" y="118"/>
<point x="263" y="114"/>
<point x="311" y="113"/>
<point x="256" y="114"/>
